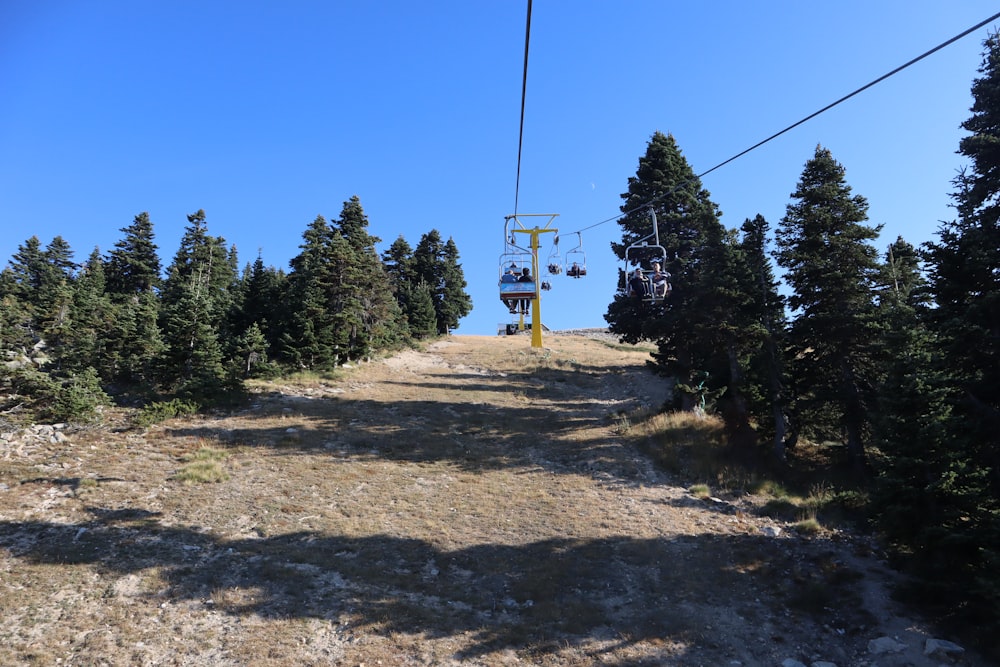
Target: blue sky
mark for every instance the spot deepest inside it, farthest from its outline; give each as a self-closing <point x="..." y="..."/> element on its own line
<point x="266" y="114"/>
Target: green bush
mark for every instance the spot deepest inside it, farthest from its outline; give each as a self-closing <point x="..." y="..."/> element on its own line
<point x="78" y="398"/>
<point x="163" y="410"/>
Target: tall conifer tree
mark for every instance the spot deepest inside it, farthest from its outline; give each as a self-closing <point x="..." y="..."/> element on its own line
<point x="692" y="328"/>
<point x="368" y="309"/>
<point x="948" y="459"/>
<point x="313" y="338"/>
<point x="196" y="300"/>
<point x="133" y="266"/>
<point x="436" y="263"/>
<point x="832" y="269"/>
<point x="766" y="323"/>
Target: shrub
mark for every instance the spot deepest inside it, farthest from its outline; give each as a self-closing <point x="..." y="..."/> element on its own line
<point x="79" y="398"/>
<point x="163" y="410"/>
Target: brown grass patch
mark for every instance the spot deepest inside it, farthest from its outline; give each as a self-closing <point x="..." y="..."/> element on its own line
<point x="477" y="502"/>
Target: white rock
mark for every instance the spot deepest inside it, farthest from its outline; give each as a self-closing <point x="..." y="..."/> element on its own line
<point x="944" y="646"/>
<point x="885" y="645"/>
<point x="771" y="531"/>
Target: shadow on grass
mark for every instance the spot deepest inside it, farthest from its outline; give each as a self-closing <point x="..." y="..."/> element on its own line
<point x="535" y="597"/>
<point x="479" y="434"/>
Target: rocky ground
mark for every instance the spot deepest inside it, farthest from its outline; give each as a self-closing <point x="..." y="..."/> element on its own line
<point x="475" y="503"/>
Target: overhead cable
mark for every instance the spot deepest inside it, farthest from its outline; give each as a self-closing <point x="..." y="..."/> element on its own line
<point x="524" y="90"/>
<point x="796" y="124"/>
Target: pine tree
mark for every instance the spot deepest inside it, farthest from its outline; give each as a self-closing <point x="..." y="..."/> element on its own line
<point x="832" y="269"/>
<point x="259" y="300"/>
<point x="455" y="301"/>
<point x="16" y="316"/>
<point x="92" y="316"/>
<point x="767" y="318"/>
<point x="954" y="474"/>
<point x="367" y="308"/>
<point x="418" y="304"/>
<point x="398" y="265"/>
<point x="251" y="353"/>
<point x="311" y="338"/>
<point x="133" y="267"/>
<point x="398" y="262"/>
<point x="692" y="328"/>
<point x="39" y="278"/>
<point x="134" y="342"/>
<point x="196" y="299"/>
<point x="436" y="263"/>
<point x="136" y="345"/>
<point x="965" y="270"/>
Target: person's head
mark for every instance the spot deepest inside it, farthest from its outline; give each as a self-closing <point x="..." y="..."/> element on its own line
<point x="526" y="271"/>
<point x="656" y="266"/>
<point x="638" y="273"/>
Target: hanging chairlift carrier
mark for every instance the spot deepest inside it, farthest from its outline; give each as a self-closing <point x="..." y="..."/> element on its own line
<point x="644" y="255"/>
<point x="512" y="266"/>
<point x="576" y="259"/>
<point x="554" y="262"/>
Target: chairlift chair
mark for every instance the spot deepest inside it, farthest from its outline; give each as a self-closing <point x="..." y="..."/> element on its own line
<point x="576" y="260"/>
<point x="554" y="262"/>
<point x="515" y="292"/>
<point x="644" y="256"/>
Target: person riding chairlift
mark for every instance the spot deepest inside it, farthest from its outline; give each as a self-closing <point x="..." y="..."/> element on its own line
<point x="660" y="281"/>
<point x="525" y="278"/>
<point x="638" y="285"/>
<point x="509" y="277"/>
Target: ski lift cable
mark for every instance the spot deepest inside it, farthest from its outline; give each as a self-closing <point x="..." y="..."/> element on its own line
<point x="524" y="90"/>
<point x="796" y="124"/>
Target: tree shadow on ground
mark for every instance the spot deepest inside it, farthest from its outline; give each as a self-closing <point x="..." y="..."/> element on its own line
<point x="533" y="597"/>
<point x="544" y="427"/>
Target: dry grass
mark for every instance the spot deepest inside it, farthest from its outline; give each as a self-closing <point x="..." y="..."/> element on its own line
<point x="478" y="502"/>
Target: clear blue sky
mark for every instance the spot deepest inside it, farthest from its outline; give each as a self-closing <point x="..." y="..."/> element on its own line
<point x="266" y="114"/>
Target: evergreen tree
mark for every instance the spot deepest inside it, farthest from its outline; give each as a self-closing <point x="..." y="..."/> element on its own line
<point x="16" y="316"/>
<point x="54" y="297"/>
<point x="84" y="341"/>
<point x="311" y="338"/>
<point x="436" y="263"/>
<point x="832" y="270"/>
<point x="366" y="308"/>
<point x="40" y="279"/>
<point x="193" y="356"/>
<point x="195" y="301"/>
<point x="692" y="327"/>
<point x="135" y="342"/>
<point x="418" y="304"/>
<point x="965" y="271"/>
<point x="260" y="297"/>
<point x="766" y="367"/>
<point x="455" y="302"/>
<point x="251" y="353"/>
<point x="398" y="262"/>
<point x="954" y="474"/>
<point x="133" y="267"/>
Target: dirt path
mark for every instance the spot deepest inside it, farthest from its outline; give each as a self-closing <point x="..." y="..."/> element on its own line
<point x="470" y="504"/>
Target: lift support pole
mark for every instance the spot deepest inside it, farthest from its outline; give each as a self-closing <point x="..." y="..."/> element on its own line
<point x="536" y="303"/>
